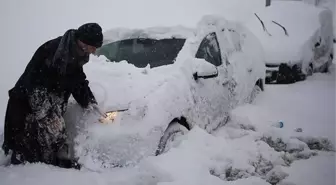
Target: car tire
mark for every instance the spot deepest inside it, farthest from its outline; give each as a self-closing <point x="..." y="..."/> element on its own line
<point x="297" y="74"/>
<point x="255" y="91"/>
<point x="325" y="69"/>
<point x="175" y="129"/>
<point x="310" y="70"/>
<point x="258" y="87"/>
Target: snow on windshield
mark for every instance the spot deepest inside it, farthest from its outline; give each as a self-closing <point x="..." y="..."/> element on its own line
<point x="117" y="34"/>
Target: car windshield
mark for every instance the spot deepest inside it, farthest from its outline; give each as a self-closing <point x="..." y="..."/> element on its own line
<point x="143" y="51"/>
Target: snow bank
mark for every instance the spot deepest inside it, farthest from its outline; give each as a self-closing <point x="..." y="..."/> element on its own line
<point x="317" y="170"/>
<point x="314" y="113"/>
<point x="273" y="107"/>
<point x="302" y="22"/>
<point x="200" y="158"/>
<point x="43" y="174"/>
<point x="218" y="160"/>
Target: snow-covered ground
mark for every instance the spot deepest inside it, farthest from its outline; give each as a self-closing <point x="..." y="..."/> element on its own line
<point x="248" y="150"/>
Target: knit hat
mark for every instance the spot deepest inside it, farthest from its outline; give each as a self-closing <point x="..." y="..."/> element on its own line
<point x="90" y="34"/>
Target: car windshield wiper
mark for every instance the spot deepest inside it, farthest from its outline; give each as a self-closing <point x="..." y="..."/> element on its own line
<point x="263" y="25"/>
<point x="286" y="33"/>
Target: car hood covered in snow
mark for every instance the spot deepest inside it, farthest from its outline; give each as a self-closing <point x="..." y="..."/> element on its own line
<point x="119" y="83"/>
<point x="302" y="23"/>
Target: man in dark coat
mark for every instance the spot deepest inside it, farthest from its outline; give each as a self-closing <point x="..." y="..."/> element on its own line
<point x="34" y="126"/>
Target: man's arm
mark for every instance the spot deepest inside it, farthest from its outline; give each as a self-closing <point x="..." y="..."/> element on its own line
<point x="82" y="92"/>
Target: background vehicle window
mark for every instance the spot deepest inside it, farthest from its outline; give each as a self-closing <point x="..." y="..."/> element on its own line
<point x="209" y="50"/>
<point x="141" y="52"/>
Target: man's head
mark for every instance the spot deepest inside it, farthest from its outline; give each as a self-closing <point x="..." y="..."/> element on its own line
<point x="89" y="37"/>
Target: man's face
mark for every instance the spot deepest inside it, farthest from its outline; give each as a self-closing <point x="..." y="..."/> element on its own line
<point x="86" y="48"/>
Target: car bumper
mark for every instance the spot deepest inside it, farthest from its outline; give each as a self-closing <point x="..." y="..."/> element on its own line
<point x="283" y="74"/>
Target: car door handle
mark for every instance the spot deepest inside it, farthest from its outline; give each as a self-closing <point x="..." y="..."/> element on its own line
<point x="249" y="70"/>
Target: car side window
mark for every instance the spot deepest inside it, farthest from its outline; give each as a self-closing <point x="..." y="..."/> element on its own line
<point x="209" y="50"/>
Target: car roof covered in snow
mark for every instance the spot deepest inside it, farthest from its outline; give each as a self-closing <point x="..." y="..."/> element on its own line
<point x="208" y="22"/>
<point x="162" y="32"/>
<point x="298" y="17"/>
<point x="301" y="21"/>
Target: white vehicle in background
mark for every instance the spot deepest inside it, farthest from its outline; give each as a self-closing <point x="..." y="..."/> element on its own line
<point x="297" y="39"/>
<point x="158" y="83"/>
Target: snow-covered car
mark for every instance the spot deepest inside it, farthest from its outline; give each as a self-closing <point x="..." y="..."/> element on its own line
<point x="160" y="82"/>
<point x="297" y="39"/>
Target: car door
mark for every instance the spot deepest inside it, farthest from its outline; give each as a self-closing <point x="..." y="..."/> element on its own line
<point x="210" y="95"/>
<point x="239" y="66"/>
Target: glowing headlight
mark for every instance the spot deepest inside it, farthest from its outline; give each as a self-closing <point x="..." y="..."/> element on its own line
<point x="110" y="116"/>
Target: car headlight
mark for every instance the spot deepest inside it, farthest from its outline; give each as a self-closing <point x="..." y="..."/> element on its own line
<point x="110" y="116"/>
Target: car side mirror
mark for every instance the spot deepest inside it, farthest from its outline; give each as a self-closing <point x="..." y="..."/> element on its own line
<point x="204" y="69"/>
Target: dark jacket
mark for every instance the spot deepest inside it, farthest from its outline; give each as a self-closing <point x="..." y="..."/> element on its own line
<point x="34" y="124"/>
<point x="57" y="69"/>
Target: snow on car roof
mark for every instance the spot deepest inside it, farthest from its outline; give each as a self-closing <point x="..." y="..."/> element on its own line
<point x="301" y="22"/>
<point x="290" y="13"/>
<point x="208" y="22"/>
<point x="162" y="32"/>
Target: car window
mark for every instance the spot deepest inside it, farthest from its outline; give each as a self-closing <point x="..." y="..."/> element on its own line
<point x="143" y="51"/>
<point x="209" y="50"/>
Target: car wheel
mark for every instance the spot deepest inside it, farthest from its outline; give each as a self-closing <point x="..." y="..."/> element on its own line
<point x="297" y="74"/>
<point x="325" y="69"/>
<point x="171" y="137"/>
<point x="255" y="91"/>
<point x="310" y="70"/>
<point x="258" y="87"/>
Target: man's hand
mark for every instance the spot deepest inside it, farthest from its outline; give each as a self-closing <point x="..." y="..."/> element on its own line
<point x="96" y="108"/>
